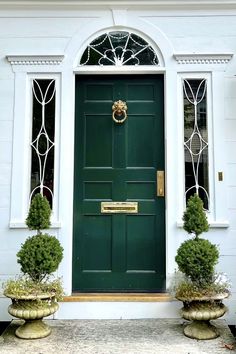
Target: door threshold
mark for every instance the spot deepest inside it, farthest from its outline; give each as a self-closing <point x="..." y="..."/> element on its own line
<point x="118" y="297"/>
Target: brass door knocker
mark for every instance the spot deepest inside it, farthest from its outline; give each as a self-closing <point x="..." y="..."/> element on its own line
<point x="119" y="109"/>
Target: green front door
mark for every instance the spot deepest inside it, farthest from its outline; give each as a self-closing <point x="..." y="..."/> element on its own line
<point x="114" y="162"/>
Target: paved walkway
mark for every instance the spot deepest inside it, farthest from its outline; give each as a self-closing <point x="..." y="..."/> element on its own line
<point x="151" y="336"/>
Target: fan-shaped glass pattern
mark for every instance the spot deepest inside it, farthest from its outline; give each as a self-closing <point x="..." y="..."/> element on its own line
<point x="119" y="48"/>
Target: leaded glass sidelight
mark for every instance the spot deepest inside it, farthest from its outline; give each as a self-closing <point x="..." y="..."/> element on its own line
<point x="196" y="139"/>
<point x="42" y="144"/>
<point x="119" y="48"/>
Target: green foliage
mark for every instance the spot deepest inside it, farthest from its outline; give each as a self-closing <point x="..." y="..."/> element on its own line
<point x="24" y="286"/>
<point x="39" y="256"/>
<point x="189" y="290"/>
<point x="39" y="213"/>
<point x="195" y="220"/>
<point x="197" y="258"/>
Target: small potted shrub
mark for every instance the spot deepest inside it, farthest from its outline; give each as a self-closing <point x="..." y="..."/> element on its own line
<point x="34" y="295"/>
<point x="199" y="287"/>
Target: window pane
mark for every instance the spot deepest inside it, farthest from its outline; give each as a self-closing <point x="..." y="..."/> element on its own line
<point x="42" y="145"/>
<point x="196" y="139"/>
<point x="119" y="48"/>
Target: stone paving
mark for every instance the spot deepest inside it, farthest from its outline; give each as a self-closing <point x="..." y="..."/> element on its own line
<point x="150" y="336"/>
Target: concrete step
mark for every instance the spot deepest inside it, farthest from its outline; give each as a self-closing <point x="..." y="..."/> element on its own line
<point x="149" y="336"/>
<point x="118" y="306"/>
<point x="118" y="297"/>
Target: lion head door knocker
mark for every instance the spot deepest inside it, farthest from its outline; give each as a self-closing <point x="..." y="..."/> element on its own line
<point x="119" y="111"/>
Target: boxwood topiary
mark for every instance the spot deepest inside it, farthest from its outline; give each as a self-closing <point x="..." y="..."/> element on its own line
<point x="197" y="258"/>
<point x="39" y="256"/>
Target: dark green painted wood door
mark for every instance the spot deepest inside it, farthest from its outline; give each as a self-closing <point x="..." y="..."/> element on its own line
<point x="118" y="162"/>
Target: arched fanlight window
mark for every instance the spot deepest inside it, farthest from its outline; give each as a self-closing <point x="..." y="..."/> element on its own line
<point x="119" y="48"/>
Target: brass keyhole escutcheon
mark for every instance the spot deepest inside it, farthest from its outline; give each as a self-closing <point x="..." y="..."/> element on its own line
<point x="119" y="109"/>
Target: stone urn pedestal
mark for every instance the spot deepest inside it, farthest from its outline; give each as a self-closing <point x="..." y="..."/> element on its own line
<point x="32" y="309"/>
<point x="201" y="311"/>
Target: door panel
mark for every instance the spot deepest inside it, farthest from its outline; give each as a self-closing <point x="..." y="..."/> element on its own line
<point x="118" y="162"/>
<point x="141" y="154"/>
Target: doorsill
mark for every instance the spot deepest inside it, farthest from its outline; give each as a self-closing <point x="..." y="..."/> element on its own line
<point x="118" y="297"/>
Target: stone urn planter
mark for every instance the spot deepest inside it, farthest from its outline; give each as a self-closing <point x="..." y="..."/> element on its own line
<point x="201" y="310"/>
<point x="35" y="294"/>
<point x="32" y="309"/>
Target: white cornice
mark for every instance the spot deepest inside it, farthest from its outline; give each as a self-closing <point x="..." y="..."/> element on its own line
<point x="35" y="59"/>
<point x="163" y="3"/>
<point x="201" y="58"/>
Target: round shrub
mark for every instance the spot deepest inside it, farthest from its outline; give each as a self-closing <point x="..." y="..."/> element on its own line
<point x="197" y="258"/>
<point x="39" y="213"/>
<point x="39" y="256"/>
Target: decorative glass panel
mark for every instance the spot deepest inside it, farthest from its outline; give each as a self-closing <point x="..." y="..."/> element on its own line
<point x="196" y="139"/>
<point x="42" y="145"/>
<point x="119" y="48"/>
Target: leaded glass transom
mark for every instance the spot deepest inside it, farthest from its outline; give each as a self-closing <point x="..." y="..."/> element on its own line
<point x="196" y="139"/>
<point x="119" y="48"/>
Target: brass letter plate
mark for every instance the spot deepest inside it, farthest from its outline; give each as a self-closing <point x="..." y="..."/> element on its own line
<point x="119" y="207"/>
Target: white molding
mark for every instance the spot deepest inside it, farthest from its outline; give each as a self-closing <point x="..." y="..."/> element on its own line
<point x="66" y="175"/>
<point x="118" y="70"/>
<point x="201" y="58"/>
<point x="22" y="225"/>
<point x="20" y="149"/>
<point x="220" y="151"/>
<point x="21" y="156"/>
<point x="92" y="3"/>
<point x="159" y="42"/>
<point x="35" y="59"/>
<point x="217" y="215"/>
<point x="119" y="17"/>
<point x="181" y="156"/>
<point x="213" y="224"/>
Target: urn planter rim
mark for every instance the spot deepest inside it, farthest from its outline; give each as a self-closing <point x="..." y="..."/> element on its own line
<point x="31" y="296"/>
<point x="220" y="296"/>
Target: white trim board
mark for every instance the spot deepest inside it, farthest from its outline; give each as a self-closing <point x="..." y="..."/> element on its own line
<point x="35" y="59"/>
<point x="203" y="58"/>
<point x="91" y="3"/>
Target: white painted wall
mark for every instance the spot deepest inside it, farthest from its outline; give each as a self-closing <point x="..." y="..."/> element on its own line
<point x="62" y="31"/>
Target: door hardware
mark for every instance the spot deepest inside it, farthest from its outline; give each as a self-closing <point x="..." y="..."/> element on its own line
<point x="220" y="176"/>
<point x="119" y="207"/>
<point x="119" y="109"/>
<point x="160" y="183"/>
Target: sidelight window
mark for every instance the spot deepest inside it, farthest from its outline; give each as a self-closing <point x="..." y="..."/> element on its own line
<point x="43" y="138"/>
<point x="196" y="139"/>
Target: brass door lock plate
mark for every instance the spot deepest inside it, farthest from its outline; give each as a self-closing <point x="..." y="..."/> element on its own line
<point x="160" y="183"/>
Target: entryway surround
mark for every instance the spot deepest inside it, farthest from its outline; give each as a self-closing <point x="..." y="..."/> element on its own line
<point x="66" y="68"/>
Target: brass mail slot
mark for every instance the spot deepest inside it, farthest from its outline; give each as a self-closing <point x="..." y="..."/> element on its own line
<point x="119" y="207"/>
